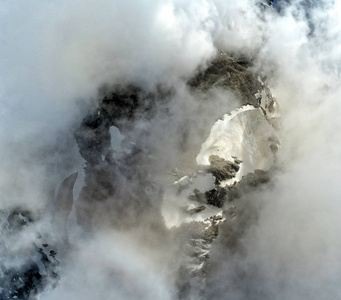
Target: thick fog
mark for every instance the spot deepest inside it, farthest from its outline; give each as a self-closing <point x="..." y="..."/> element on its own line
<point x="55" y="56"/>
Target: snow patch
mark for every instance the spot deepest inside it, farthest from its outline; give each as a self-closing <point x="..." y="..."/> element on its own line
<point x="116" y="141"/>
<point x="244" y="134"/>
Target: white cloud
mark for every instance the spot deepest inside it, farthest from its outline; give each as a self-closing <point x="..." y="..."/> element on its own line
<point x="55" y="55"/>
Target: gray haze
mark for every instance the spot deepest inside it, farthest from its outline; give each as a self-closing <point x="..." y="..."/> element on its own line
<point x="55" y="56"/>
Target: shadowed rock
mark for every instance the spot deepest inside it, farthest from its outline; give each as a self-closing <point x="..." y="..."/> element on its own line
<point x="222" y="169"/>
<point x="229" y="73"/>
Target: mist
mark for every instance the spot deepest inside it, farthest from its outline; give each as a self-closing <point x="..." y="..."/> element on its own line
<point x="55" y="58"/>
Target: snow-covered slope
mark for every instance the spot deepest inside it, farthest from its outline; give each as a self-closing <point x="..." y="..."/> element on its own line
<point x="244" y="135"/>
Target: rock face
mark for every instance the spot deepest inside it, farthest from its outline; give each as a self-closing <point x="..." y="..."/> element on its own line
<point x="230" y="74"/>
<point x="118" y="189"/>
<point x="222" y="169"/>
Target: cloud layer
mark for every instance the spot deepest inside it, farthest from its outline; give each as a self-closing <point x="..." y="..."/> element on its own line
<point x="55" y="56"/>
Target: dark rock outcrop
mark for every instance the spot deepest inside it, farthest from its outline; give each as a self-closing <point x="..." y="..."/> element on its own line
<point x="231" y="74"/>
<point x="222" y="169"/>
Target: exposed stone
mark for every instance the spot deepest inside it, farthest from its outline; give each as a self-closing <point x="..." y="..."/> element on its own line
<point x="221" y="168"/>
<point x="231" y="74"/>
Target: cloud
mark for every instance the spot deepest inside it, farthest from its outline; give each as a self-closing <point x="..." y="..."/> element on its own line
<point x="55" y="56"/>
